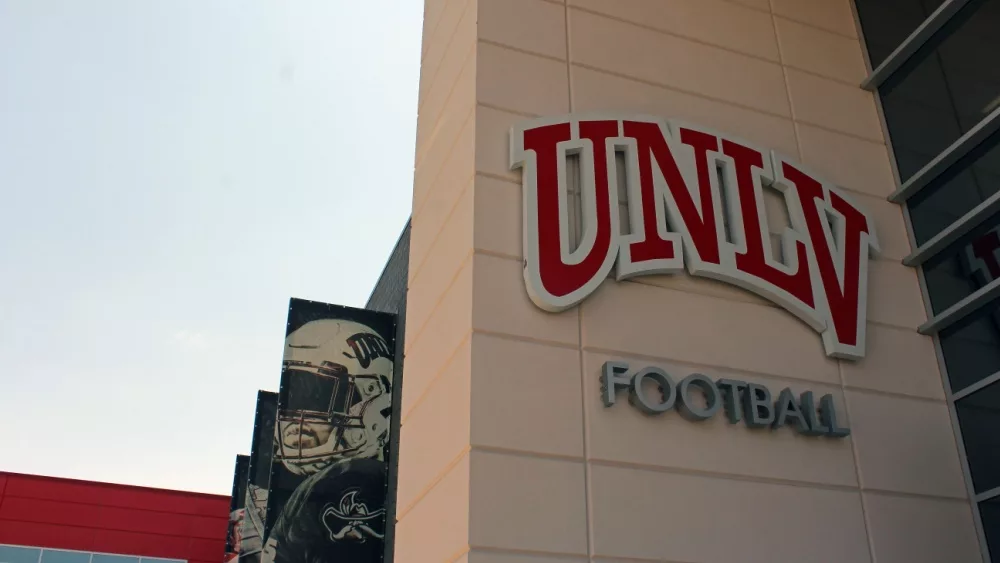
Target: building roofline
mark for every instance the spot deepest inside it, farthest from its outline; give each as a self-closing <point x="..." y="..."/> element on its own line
<point x="399" y="239"/>
<point x="110" y="484"/>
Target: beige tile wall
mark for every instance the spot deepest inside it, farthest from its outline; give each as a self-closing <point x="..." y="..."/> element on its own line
<point x="434" y="465"/>
<point x="508" y="455"/>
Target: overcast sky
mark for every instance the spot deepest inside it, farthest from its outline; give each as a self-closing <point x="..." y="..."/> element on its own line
<point x="171" y="172"/>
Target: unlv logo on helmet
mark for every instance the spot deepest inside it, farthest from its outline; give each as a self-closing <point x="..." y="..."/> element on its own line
<point x="368" y="347"/>
<point x="678" y="212"/>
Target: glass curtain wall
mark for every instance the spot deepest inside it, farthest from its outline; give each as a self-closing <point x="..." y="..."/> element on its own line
<point x="935" y="72"/>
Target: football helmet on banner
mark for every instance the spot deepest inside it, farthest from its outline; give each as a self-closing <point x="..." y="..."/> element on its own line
<point x="338" y="381"/>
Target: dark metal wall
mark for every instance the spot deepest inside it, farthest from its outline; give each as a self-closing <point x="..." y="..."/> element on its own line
<point x="389" y="296"/>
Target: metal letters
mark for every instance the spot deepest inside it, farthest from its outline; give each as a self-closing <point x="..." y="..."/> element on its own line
<point x="678" y="220"/>
<point x="698" y="398"/>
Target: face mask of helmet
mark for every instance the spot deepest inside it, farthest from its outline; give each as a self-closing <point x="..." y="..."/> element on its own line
<point x="331" y="415"/>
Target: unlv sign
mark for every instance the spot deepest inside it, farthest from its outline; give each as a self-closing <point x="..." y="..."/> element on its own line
<point x="678" y="212"/>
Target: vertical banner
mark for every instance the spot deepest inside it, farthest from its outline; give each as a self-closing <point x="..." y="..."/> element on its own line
<point x="236" y="507"/>
<point x="259" y="474"/>
<point x="327" y="495"/>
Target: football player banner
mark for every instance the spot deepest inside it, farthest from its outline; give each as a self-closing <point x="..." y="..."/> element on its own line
<point x="327" y="495"/>
<point x="261" y="452"/>
<point x="236" y="507"/>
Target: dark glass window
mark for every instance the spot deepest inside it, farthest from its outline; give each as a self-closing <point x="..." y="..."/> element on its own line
<point x="946" y="88"/>
<point x="989" y="511"/>
<point x="886" y="23"/>
<point x="965" y="266"/>
<point x="979" y="417"/>
<point x="11" y="554"/>
<point x="957" y="191"/>
<point x="971" y="347"/>
<point x="943" y="91"/>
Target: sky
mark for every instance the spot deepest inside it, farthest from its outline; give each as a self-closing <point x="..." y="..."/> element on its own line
<point x="171" y="173"/>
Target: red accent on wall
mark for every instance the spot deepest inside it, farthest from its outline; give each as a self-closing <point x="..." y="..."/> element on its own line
<point x="121" y="519"/>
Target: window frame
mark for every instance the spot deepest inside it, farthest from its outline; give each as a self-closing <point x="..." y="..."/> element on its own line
<point x="904" y="190"/>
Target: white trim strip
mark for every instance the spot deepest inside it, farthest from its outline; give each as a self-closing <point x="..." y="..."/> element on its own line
<point x="962" y="309"/>
<point x="949" y="156"/>
<point x="913" y="43"/>
<point x="987" y="495"/>
<point x="985" y="382"/>
<point x="972" y="219"/>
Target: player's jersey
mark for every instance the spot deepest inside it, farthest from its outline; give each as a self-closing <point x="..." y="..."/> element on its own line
<point x="252" y="525"/>
<point x="335" y="515"/>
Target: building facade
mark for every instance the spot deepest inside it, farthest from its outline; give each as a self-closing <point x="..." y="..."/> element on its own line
<point x="53" y="520"/>
<point x="510" y="449"/>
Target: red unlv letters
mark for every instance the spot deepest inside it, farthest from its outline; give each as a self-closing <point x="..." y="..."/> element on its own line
<point x="684" y="186"/>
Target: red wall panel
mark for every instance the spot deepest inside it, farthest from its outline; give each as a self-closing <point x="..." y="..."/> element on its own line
<point x="42" y="488"/>
<point x="204" y="550"/>
<point x="145" y="521"/>
<point x="46" y="535"/>
<point x="81" y="515"/>
<point x="47" y="511"/>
